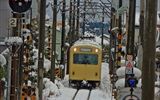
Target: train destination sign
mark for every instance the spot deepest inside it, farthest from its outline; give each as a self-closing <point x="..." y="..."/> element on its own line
<point x="85" y="49"/>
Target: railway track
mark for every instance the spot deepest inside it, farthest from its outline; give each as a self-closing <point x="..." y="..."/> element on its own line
<point x="84" y="94"/>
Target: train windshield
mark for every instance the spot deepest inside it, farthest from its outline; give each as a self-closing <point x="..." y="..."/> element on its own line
<point x="85" y="59"/>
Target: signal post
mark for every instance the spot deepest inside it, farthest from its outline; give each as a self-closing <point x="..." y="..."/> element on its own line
<point x="130" y="42"/>
<point x="18" y="7"/>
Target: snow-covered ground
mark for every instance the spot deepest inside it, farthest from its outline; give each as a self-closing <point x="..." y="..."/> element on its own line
<point x="63" y="92"/>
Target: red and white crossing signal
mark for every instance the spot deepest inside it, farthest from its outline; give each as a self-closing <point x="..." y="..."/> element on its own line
<point x="20" y="5"/>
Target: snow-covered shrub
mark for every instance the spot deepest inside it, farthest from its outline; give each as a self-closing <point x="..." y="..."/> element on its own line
<point x="51" y="89"/>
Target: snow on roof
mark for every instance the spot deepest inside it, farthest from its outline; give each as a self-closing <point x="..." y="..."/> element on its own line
<point x="87" y="42"/>
<point x="121" y="72"/>
<point x="94" y="42"/>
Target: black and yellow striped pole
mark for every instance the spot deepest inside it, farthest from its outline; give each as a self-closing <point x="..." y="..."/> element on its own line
<point x="119" y="49"/>
<point x="119" y="38"/>
<point x="26" y="89"/>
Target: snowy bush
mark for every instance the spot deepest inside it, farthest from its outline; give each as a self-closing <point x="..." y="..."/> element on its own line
<point x="50" y="90"/>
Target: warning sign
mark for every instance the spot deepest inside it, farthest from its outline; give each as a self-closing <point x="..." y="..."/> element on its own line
<point x="129" y="64"/>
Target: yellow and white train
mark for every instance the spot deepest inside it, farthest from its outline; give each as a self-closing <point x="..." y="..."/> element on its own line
<point x="85" y="58"/>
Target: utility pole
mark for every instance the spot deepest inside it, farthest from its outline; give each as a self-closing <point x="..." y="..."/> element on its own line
<point x="102" y="28"/>
<point x="41" y="47"/>
<point x="14" y="89"/>
<point x="141" y="33"/>
<point x="21" y="67"/>
<point x="149" y="46"/>
<point x="63" y="37"/>
<point x="130" y="40"/>
<point x="77" y="21"/>
<point x="53" y="50"/>
<point x="84" y="17"/>
<point x="112" y="39"/>
<point x="73" y="21"/>
<point x="70" y="22"/>
<point x="141" y="29"/>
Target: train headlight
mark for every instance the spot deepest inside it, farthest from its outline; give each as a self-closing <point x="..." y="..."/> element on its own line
<point x="96" y="50"/>
<point x="75" y="49"/>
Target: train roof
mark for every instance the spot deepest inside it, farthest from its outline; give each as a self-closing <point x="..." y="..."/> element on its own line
<point x="87" y="42"/>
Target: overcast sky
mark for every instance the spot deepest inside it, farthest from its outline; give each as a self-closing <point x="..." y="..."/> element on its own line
<point x="115" y="4"/>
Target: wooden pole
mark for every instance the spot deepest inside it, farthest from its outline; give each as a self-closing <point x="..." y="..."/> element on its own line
<point x="149" y="45"/>
<point x="41" y="47"/>
<point x="53" y="50"/>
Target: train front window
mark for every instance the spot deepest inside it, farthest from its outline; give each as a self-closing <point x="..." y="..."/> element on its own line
<point x="85" y="59"/>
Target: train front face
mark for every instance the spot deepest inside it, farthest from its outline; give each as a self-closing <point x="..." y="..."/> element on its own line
<point x="85" y="64"/>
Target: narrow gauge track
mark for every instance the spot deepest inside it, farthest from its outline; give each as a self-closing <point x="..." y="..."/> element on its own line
<point x="86" y="94"/>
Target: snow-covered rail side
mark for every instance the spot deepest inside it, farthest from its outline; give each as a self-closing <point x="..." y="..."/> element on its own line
<point x="84" y="94"/>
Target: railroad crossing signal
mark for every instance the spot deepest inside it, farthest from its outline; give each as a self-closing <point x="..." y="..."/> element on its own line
<point x="20" y="5"/>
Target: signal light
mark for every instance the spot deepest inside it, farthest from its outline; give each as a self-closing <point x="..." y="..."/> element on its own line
<point x="75" y="49"/>
<point x="96" y="50"/>
<point x="132" y="82"/>
<point x="20" y="5"/>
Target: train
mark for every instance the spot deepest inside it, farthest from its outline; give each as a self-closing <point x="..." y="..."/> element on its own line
<point x="85" y="58"/>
